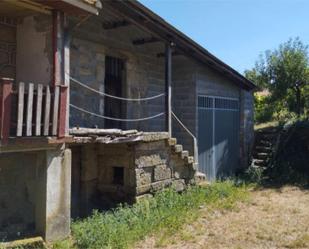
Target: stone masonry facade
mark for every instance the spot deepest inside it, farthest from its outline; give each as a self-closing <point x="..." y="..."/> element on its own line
<point x="246" y="126"/>
<point x="112" y="173"/>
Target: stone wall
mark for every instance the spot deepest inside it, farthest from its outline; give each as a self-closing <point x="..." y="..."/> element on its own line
<point x="143" y="77"/>
<point x="210" y="82"/>
<point x="34" y="59"/>
<point x="7" y="47"/>
<point x="157" y="166"/>
<point x="113" y="173"/>
<point x="246" y="126"/>
<point x="184" y="99"/>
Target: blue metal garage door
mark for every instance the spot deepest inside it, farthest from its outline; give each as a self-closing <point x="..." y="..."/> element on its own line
<point x="218" y="135"/>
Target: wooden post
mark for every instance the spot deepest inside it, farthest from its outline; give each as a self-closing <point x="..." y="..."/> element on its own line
<point x="58" y="19"/>
<point x="67" y="42"/>
<point x="5" y="108"/>
<point x="63" y="111"/>
<point x="61" y="69"/>
<point x="168" y="89"/>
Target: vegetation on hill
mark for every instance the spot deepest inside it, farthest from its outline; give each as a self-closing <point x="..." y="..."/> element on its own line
<point x="283" y="78"/>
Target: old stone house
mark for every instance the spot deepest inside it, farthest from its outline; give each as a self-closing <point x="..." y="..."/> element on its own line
<point x="93" y="95"/>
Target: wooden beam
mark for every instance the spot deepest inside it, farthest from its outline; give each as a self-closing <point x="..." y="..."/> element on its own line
<point x="5" y="108"/>
<point x="168" y="89"/>
<point x="175" y="53"/>
<point x="58" y="45"/>
<point x="67" y="45"/>
<point x="30" y="5"/>
<point x="115" y="25"/>
<point x="62" y="111"/>
<point x="145" y="41"/>
<point x="55" y="111"/>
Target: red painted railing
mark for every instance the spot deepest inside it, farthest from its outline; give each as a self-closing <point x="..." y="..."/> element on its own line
<point x="5" y="108"/>
<point x="32" y="110"/>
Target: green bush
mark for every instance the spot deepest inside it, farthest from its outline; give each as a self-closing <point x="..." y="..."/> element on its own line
<point x="263" y="109"/>
<point x="164" y="215"/>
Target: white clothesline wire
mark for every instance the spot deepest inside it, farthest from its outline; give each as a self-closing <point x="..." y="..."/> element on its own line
<point x="116" y="119"/>
<point x="112" y="96"/>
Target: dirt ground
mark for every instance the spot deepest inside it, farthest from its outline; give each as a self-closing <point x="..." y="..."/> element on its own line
<point x="271" y="218"/>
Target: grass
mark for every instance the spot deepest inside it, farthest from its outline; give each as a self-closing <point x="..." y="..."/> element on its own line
<point x="162" y="215"/>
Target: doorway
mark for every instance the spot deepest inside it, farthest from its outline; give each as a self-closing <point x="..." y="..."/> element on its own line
<point x="218" y="135"/>
<point x="114" y="85"/>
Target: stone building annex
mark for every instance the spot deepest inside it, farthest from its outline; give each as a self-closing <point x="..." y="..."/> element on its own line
<point x="104" y="101"/>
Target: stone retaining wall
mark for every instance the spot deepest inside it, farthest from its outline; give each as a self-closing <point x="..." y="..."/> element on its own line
<point x="144" y="167"/>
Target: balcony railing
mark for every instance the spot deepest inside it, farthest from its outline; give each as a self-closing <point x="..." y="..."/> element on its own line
<point x="28" y="109"/>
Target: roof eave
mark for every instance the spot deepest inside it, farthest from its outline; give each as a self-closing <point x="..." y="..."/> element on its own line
<point x="171" y="34"/>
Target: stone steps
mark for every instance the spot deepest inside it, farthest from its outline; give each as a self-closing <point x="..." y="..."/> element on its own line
<point x="260" y="148"/>
<point x="189" y="160"/>
<point x="261" y="155"/>
<point x="263" y="149"/>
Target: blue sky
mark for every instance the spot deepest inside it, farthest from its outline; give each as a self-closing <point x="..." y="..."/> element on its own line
<point x="237" y="31"/>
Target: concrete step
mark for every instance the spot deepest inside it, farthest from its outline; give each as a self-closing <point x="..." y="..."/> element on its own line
<point x="268" y="131"/>
<point x="172" y="141"/>
<point x="199" y="178"/>
<point x="264" y="142"/>
<point x="184" y="154"/>
<point x="261" y="148"/>
<point x="259" y="162"/>
<point x="178" y="148"/>
<point x="189" y="159"/>
<point x="262" y="155"/>
<point x="30" y="243"/>
<point x="268" y="136"/>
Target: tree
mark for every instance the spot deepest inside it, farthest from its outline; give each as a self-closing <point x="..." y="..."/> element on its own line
<point x="285" y="73"/>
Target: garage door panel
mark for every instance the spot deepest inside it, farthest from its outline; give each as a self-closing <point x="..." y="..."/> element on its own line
<point x="205" y="145"/>
<point x="226" y="141"/>
<point x="218" y="128"/>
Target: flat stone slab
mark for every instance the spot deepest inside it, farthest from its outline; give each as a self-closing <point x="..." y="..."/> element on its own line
<point x="107" y="136"/>
<point x="32" y="243"/>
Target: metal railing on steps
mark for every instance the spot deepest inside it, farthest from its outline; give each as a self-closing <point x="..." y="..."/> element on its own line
<point x="195" y="146"/>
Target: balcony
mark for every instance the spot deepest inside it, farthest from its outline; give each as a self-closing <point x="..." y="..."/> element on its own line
<point x="31" y="110"/>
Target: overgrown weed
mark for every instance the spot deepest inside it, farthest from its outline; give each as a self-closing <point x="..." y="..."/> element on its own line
<point x="162" y="216"/>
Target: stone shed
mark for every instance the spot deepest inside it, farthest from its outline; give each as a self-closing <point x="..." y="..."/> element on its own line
<point x="207" y="105"/>
<point x="104" y="102"/>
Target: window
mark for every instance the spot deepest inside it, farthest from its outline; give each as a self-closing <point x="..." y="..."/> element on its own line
<point x="118" y="175"/>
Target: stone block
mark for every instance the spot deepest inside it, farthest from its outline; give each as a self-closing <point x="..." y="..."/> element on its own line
<point x="161" y="172"/>
<point x="100" y="73"/>
<point x="89" y="163"/>
<point x="143" y="197"/>
<point x="143" y="189"/>
<point x="143" y="177"/>
<point x="100" y="57"/>
<point x="179" y="185"/>
<point x="32" y="243"/>
<point x="156" y="186"/>
<point x="149" y="161"/>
